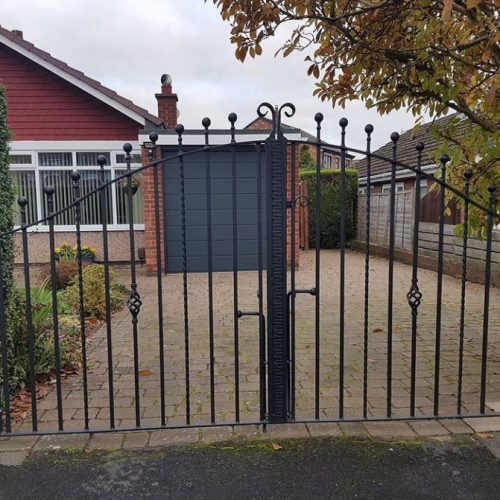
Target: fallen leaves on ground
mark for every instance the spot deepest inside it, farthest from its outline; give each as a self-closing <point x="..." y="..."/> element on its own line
<point x="276" y="447"/>
<point x="145" y="373"/>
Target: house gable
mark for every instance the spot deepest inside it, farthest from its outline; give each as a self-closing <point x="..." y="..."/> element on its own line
<point x="44" y="106"/>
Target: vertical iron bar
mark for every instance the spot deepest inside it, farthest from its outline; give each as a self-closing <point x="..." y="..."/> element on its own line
<point x="369" y="131"/>
<point x="467" y="177"/>
<point x="390" y="287"/>
<point x="318" y="118"/>
<point x="153" y="137"/>
<point x="262" y="331"/>
<point x="101" y="161"/>
<point x="293" y="208"/>
<point x="343" y="124"/>
<point x="487" y="280"/>
<point x="49" y="191"/>
<point x="414" y="295"/>
<point x="437" y="355"/>
<point x="179" y="129"/>
<point x="208" y="169"/>
<point x="232" y="119"/>
<point x="3" y="339"/>
<point x="75" y="176"/>
<point x="23" y="202"/>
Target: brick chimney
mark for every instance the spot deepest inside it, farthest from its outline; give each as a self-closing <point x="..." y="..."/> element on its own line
<point x="18" y="33"/>
<point x="167" y="103"/>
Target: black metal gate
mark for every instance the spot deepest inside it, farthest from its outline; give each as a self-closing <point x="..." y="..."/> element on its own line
<point x="326" y="334"/>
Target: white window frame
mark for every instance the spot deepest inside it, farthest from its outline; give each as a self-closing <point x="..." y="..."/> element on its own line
<point x="362" y="190"/>
<point x="33" y="148"/>
<point x="327" y="161"/>
<point x="400" y="187"/>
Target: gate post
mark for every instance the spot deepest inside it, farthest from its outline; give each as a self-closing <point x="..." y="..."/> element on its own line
<point x="276" y="193"/>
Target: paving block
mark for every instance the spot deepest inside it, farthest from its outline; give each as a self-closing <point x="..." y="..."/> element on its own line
<point x="286" y="431"/>
<point x="456" y="426"/>
<point x="486" y="424"/>
<point x="19" y="443"/>
<point x="106" y="441"/>
<point x="390" y="430"/>
<point x="248" y="432"/>
<point x="324" y="429"/>
<point x="353" y="429"/>
<point x="61" y="441"/>
<point x="216" y="434"/>
<point x="135" y="440"/>
<point x="13" y="458"/>
<point x="428" y="428"/>
<point x="174" y="437"/>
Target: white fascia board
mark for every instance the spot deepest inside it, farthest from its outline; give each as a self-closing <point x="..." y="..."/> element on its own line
<point x="400" y="174"/>
<point x="215" y="139"/>
<point x="74" y="81"/>
<point x="54" y="146"/>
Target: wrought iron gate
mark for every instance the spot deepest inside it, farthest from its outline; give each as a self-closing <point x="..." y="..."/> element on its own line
<point x="297" y="336"/>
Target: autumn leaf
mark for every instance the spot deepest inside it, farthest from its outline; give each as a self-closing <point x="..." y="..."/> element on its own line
<point x="145" y="373"/>
<point x="276" y="447"/>
<point x="378" y="330"/>
<point x="485" y="435"/>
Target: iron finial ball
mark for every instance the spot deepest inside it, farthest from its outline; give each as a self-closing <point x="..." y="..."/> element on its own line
<point x="420" y="146"/>
<point x="343" y="122"/>
<point x="444" y="158"/>
<point x="179" y="129"/>
<point x="75" y="176"/>
<point x="318" y="117"/>
<point x="153" y="137"/>
<point x="394" y="137"/>
<point x="101" y="160"/>
<point x="468" y="174"/>
<point x="127" y="147"/>
<point x="492" y="188"/>
<point x="369" y="129"/>
<point x="49" y="190"/>
<point x="22" y="201"/>
<point x="232" y="118"/>
<point x="206" y="122"/>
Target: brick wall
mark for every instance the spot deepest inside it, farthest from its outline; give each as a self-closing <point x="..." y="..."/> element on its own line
<point x="167" y="111"/>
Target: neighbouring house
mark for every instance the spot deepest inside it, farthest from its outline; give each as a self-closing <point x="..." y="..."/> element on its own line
<point x="61" y="120"/>
<point x="380" y="216"/>
<point x="331" y="156"/>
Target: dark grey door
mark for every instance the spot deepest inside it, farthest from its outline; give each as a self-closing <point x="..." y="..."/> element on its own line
<point x="221" y="214"/>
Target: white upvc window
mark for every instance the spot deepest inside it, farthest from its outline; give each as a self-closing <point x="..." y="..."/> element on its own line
<point x="327" y="161"/>
<point x="423" y="188"/>
<point x="362" y="190"/>
<point x="32" y="171"/>
<point x="400" y="187"/>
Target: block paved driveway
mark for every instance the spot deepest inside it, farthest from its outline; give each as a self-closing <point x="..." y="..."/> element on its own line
<point x="225" y="389"/>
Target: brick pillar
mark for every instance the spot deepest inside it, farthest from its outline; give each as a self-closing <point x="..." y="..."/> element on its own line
<point x="167" y="111"/>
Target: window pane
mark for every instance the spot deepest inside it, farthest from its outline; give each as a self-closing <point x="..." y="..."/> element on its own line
<point x="90" y="159"/>
<point x="135" y="158"/>
<point x="24" y="182"/>
<point x="63" y="196"/>
<point x="122" y="202"/>
<point x="55" y="159"/>
<point x="20" y="159"/>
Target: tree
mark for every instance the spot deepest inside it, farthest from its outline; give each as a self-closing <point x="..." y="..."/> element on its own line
<point x="306" y="159"/>
<point x="423" y="55"/>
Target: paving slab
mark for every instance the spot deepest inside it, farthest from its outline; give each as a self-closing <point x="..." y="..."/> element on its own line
<point x="485" y="424"/>
<point x="13" y="458"/>
<point x="456" y="426"/>
<point x="428" y="428"/>
<point x="106" y="441"/>
<point x="17" y="443"/>
<point x="174" y="437"/>
<point x="136" y="440"/>
<point x="286" y="431"/>
<point x="58" y="442"/>
<point x="216" y="434"/>
<point x="353" y="429"/>
<point x="390" y="430"/>
<point x="324" y="429"/>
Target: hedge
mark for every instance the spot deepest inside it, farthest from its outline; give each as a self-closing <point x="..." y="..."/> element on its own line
<point x="331" y="206"/>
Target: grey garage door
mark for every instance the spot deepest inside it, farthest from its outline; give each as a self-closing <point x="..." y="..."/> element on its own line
<point x="195" y="175"/>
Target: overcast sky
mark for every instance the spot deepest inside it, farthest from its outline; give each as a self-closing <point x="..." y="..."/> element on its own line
<point x="128" y="44"/>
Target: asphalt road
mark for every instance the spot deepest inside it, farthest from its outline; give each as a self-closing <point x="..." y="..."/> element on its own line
<point x="304" y="469"/>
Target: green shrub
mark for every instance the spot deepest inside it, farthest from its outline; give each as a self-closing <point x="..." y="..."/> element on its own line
<point x="94" y="293"/>
<point x="331" y="207"/>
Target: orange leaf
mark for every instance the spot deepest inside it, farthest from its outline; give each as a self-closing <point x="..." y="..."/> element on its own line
<point x="277" y="447"/>
<point x="377" y="330"/>
<point x="145" y="373"/>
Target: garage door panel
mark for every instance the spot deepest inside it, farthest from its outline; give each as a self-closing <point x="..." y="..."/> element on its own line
<point x="193" y="233"/>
